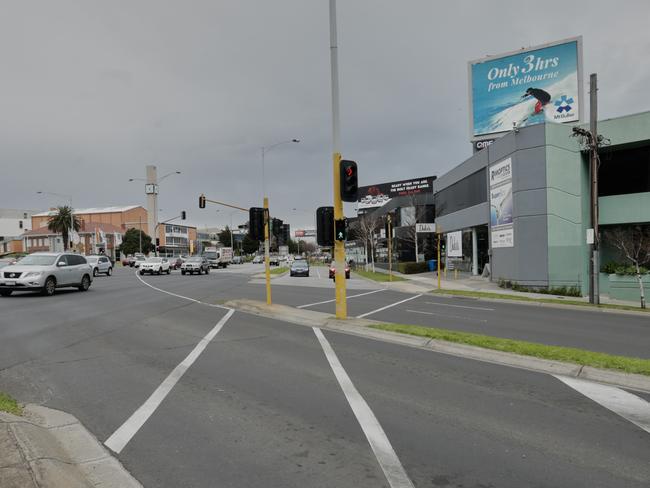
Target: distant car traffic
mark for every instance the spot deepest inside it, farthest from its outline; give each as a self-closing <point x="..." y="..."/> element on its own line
<point x="155" y="265"/>
<point x="333" y="272"/>
<point x="274" y="259"/>
<point x="237" y="260"/>
<point x="195" y="264"/>
<point x="176" y="262"/>
<point x="258" y="259"/>
<point x="133" y="260"/>
<point x="138" y="260"/>
<point x="100" y="264"/>
<point x="45" y="272"/>
<point x="300" y="267"/>
<point x="126" y="260"/>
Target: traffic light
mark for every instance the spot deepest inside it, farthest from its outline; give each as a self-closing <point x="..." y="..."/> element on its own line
<point x="256" y="223"/>
<point x="325" y="226"/>
<point x="201" y="201"/>
<point x="276" y="227"/>
<point x="349" y="181"/>
<point x="183" y="215"/>
<point x="157" y="243"/>
<point x="341" y="227"/>
<point x="285" y="234"/>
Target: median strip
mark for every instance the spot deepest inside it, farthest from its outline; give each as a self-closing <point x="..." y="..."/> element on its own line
<point x="9" y="405"/>
<point x="524" y="348"/>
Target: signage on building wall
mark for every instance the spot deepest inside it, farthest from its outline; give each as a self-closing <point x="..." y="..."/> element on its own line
<point x="375" y="196"/>
<point x="482" y="144"/>
<point x="455" y="244"/>
<point x="501" y="206"/>
<point x="422" y="228"/>
<point x="526" y="87"/>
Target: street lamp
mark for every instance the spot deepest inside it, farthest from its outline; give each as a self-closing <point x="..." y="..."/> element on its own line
<point x="267" y="264"/>
<point x="69" y="197"/>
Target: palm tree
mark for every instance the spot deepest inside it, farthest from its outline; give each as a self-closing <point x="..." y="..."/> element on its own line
<point x="61" y="222"/>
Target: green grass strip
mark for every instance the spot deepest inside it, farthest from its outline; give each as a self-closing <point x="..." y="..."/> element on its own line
<point x="277" y="271"/>
<point x="9" y="405"/>
<point x="508" y="296"/>
<point x="382" y="277"/>
<point x="557" y="353"/>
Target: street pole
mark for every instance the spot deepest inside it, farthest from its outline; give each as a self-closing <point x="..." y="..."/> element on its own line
<point x="140" y="234"/>
<point x="267" y="256"/>
<point x="439" y="232"/>
<point x="389" y="231"/>
<point x="339" y="246"/>
<point x="416" y="243"/>
<point x="594" y="295"/>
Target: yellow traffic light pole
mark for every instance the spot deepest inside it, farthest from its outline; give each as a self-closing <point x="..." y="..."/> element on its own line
<point x="339" y="245"/>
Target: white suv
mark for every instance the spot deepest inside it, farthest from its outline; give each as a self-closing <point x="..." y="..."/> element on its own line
<point x="45" y="272"/>
<point x="155" y="265"/>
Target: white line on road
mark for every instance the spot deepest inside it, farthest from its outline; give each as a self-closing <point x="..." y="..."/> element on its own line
<point x="317" y="272"/>
<point x="622" y="403"/>
<point x="333" y="300"/>
<point x="125" y="433"/>
<point x="474" y="319"/>
<point x="381" y="446"/>
<point x="388" y="306"/>
<point x="460" y="306"/>
<point x="181" y="296"/>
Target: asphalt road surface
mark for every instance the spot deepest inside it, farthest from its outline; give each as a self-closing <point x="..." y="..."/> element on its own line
<point x="261" y="403"/>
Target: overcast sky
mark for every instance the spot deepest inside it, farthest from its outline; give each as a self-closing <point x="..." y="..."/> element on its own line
<point x="92" y="91"/>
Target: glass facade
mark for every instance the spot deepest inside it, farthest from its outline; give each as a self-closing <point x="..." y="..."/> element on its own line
<point x="624" y="171"/>
<point x="465" y="193"/>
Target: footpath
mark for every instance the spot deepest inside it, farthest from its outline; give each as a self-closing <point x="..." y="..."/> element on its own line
<point x="46" y="448"/>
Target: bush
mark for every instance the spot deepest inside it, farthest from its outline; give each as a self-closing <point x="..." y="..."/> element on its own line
<point x="609" y="268"/>
<point x="411" y="267"/>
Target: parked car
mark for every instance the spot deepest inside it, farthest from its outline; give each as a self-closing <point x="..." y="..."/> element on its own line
<point x="258" y="259"/>
<point x="45" y="272"/>
<point x="100" y="264"/>
<point x="300" y="267"/>
<point x="333" y="272"/>
<point x="155" y="265"/>
<point x="196" y="264"/>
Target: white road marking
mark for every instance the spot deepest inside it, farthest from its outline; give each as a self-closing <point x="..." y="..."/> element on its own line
<point x="181" y="296"/>
<point x="381" y="446"/>
<point x="333" y="300"/>
<point x="125" y="433"/>
<point x="318" y="272"/>
<point x="388" y="306"/>
<point x="460" y="306"/>
<point x="448" y="316"/>
<point x="622" y="403"/>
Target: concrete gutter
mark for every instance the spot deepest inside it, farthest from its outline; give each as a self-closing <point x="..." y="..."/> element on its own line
<point x="360" y="327"/>
<point x="50" y="448"/>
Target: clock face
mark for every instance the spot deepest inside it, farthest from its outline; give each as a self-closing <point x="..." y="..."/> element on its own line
<point x="150" y="189"/>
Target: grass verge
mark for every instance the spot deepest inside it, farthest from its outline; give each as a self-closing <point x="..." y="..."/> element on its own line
<point x="9" y="405"/>
<point x="382" y="277"/>
<point x="560" y="301"/>
<point x="277" y="271"/>
<point x="543" y="351"/>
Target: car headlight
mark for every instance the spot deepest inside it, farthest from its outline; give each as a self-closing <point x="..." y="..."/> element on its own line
<point x="33" y="274"/>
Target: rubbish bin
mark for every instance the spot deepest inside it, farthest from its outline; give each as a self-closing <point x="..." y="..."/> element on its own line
<point x="432" y="265"/>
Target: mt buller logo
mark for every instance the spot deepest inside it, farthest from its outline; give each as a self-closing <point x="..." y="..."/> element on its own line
<point x="564" y="104"/>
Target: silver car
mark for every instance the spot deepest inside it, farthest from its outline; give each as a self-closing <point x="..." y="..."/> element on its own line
<point x="100" y="264"/>
<point x="45" y="272"/>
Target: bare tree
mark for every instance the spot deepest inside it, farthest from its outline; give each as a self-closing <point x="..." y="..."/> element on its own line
<point x="366" y="228"/>
<point x="633" y="242"/>
<point x="408" y="232"/>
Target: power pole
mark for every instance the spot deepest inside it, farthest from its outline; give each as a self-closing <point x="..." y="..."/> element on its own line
<point x="389" y="231"/>
<point x="594" y="295"/>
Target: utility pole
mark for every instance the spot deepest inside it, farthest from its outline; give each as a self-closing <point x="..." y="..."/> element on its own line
<point x="389" y="231"/>
<point x="339" y="246"/>
<point x="439" y="235"/>
<point x="594" y="295"/>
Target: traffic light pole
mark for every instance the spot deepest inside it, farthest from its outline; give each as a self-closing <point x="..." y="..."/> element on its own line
<point x="267" y="254"/>
<point x="339" y="245"/>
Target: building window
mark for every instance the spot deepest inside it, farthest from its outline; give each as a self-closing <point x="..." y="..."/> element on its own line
<point x="463" y="194"/>
<point x="20" y="224"/>
<point x="624" y="171"/>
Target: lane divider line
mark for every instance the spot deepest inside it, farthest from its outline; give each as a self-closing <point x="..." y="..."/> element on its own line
<point x="180" y="296"/>
<point x="627" y="405"/>
<point x="471" y="319"/>
<point x="121" y="437"/>
<point x="334" y="299"/>
<point x="381" y="446"/>
<point x="389" y="306"/>
<point x="461" y="306"/>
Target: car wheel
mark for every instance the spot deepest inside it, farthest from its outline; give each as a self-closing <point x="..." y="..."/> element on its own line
<point x="109" y="272"/>
<point x="85" y="283"/>
<point x="95" y="272"/>
<point x="169" y="270"/>
<point x="183" y="272"/>
<point x="207" y="270"/>
<point x="50" y="286"/>
<point x="141" y="273"/>
<point x="159" y="272"/>
<point x="6" y="293"/>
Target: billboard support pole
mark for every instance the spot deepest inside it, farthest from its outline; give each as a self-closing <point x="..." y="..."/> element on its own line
<point x="594" y="269"/>
<point x="390" y="247"/>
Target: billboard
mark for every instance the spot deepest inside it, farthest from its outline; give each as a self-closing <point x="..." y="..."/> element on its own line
<point x="526" y="87"/>
<point x="375" y="196"/>
<point x="501" y="208"/>
<point x="304" y="233"/>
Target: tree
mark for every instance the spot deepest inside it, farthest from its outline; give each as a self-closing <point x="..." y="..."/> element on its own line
<point x="365" y="228"/>
<point x="225" y="236"/>
<point x="249" y="245"/>
<point x="633" y="243"/>
<point x="63" y="222"/>
<point x="408" y="232"/>
<point x="131" y="242"/>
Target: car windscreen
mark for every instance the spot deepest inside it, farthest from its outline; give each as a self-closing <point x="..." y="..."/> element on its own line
<point x="194" y="260"/>
<point x="34" y="260"/>
<point x="154" y="260"/>
<point x="210" y="255"/>
<point x="299" y="263"/>
<point x="92" y="259"/>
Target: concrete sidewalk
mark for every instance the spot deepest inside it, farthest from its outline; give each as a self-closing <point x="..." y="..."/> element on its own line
<point x="49" y="448"/>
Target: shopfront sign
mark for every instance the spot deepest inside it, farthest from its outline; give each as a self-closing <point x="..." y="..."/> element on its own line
<point x="455" y="244"/>
<point x="501" y="206"/>
<point x="423" y="228"/>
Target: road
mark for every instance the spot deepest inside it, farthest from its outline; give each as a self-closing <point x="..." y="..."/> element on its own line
<point x="261" y="405"/>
